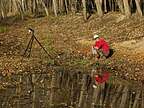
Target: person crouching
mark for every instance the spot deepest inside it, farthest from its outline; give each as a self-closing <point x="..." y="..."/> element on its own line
<point x="101" y="47"/>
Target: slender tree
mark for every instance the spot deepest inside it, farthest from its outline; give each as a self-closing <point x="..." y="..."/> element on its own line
<point x="55" y="7"/>
<point x="124" y="98"/>
<point x="127" y="8"/>
<point x="82" y="91"/>
<point x="66" y="5"/>
<point x="120" y="5"/>
<point x="99" y="7"/>
<point x="105" y="6"/>
<point x="52" y="89"/>
<point x="136" y="99"/>
<point x="45" y="7"/>
<point x="138" y="7"/>
<point x="84" y="9"/>
<point x="34" y="91"/>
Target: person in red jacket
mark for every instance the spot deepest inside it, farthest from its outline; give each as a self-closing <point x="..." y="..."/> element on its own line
<point x="101" y="78"/>
<point x="101" y="47"/>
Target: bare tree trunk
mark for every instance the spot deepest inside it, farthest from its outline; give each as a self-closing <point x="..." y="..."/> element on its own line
<point x="138" y="7"/>
<point x="130" y="101"/>
<point x="101" y="1"/>
<point x="66" y="6"/>
<point x="60" y="5"/>
<point x="99" y="7"/>
<point x="47" y="91"/>
<point x="2" y="9"/>
<point x="20" y="9"/>
<point x="34" y="91"/>
<point x="69" y="6"/>
<point x="126" y="8"/>
<point x="116" y="96"/>
<point x="26" y="5"/>
<point x="55" y="7"/>
<point x="113" y="5"/>
<point x="22" y="5"/>
<point x="105" y="6"/>
<point x="52" y="89"/>
<point x="85" y="102"/>
<point x="15" y="8"/>
<point x="136" y="99"/>
<point x="102" y="94"/>
<point x="72" y="95"/>
<point x="120" y="5"/>
<point x="110" y="5"/>
<point x="124" y="98"/>
<point x="82" y="91"/>
<point x="107" y="95"/>
<point x="46" y="10"/>
<point x="33" y="4"/>
<point x="84" y="10"/>
<point x="18" y="91"/>
<point x="10" y="6"/>
<point x="95" y="97"/>
<point x="142" y="102"/>
<point x="73" y="8"/>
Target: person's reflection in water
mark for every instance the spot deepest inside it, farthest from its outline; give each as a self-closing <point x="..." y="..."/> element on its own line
<point x="100" y="77"/>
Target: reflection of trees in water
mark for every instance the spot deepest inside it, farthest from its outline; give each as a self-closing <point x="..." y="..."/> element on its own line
<point x="66" y="88"/>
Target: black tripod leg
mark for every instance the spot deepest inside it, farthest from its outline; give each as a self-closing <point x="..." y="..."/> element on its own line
<point x="42" y="47"/>
<point x="29" y="46"/>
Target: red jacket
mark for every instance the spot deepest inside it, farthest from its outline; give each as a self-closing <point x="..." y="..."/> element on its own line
<point x="102" y="44"/>
<point x="103" y="78"/>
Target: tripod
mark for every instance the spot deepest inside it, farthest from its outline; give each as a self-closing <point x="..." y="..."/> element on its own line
<point x="27" y="52"/>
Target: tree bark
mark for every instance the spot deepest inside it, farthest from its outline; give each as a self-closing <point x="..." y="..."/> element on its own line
<point x="136" y="99"/>
<point x="60" y="6"/>
<point x="55" y="7"/>
<point x="66" y="6"/>
<point x="105" y="6"/>
<point x="107" y="94"/>
<point x="142" y="102"/>
<point x="127" y="8"/>
<point x="21" y="11"/>
<point x="138" y="7"/>
<point x="84" y="10"/>
<point x="23" y="5"/>
<point x="18" y="91"/>
<point x="52" y="89"/>
<point x="116" y="96"/>
<point x="99" y="7"/>
<point x="82" y="91"/>
<point x="113" y="5"/>
<point x="130" y="101"/>
<point x="34" y="91"/>
<point x="46" y="10"/>
<point x="124" y="98"/>
<point x="120" y="5"/>
<point x="95" y="97"/>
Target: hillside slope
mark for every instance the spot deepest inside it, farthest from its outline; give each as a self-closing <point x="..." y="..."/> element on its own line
<point x="68" y="39"/>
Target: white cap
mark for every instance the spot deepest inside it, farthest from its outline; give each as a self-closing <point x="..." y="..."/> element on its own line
<point x="96" y="36"/>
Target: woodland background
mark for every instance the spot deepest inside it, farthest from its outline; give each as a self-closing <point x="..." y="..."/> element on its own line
<point x="60" y="7"/>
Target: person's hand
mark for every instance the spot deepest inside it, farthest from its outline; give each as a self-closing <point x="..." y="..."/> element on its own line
<point x="96" y="75"/>
<point x="96" y="48"/>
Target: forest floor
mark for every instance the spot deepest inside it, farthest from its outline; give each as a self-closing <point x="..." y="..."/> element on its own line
<point x="68" y="39"/>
